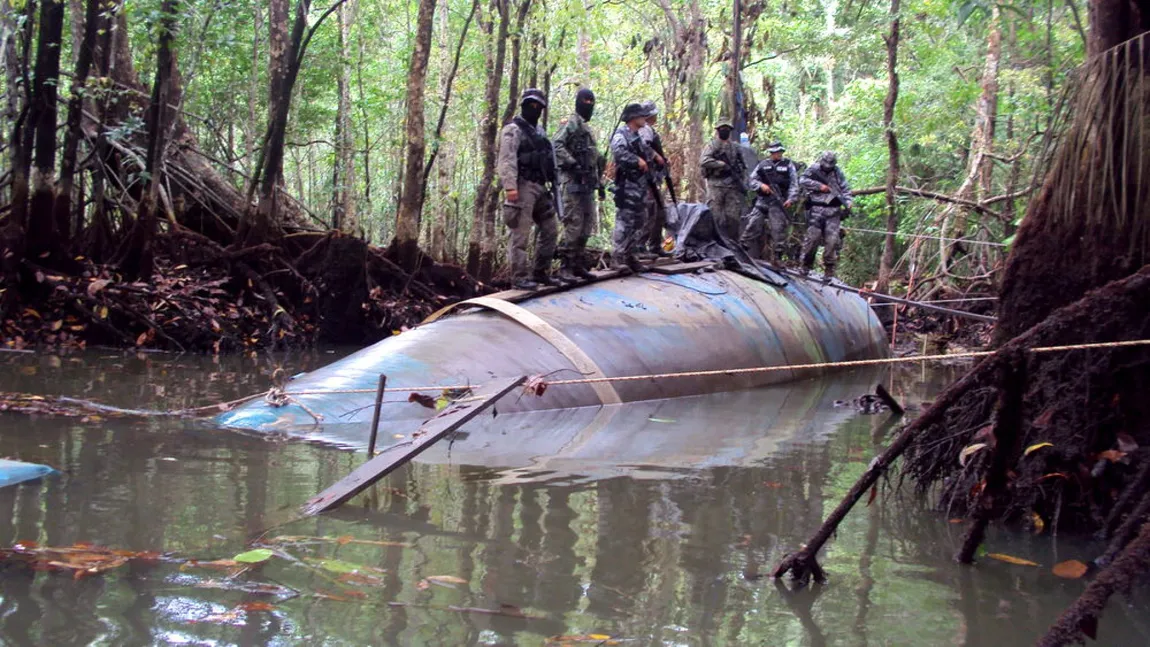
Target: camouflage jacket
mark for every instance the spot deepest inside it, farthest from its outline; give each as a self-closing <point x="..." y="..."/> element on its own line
<point x="576" y="155"/>
<point x="814" y="177"/>
<point x="722" y="164"/>
<point x="632" y="186"/>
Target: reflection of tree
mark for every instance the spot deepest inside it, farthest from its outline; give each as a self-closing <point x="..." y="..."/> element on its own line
<point x="619" y="575"/>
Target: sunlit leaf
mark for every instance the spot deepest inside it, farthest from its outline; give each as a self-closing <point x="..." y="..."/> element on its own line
<point x="1033" y="448"/>
<point x="257" y="556"/>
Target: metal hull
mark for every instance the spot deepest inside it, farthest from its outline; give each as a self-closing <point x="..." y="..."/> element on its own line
<point x="640" y="325"/>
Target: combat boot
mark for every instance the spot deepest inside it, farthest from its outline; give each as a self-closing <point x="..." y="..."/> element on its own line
<point x="578" y="270"/>
<point x="828" y="273"/>
<point x="525" y="284"/>
<point x="542" y="278"/>
<point x="566" y="275"/>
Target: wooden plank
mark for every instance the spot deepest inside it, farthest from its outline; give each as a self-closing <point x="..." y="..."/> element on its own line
<point x="393" y="457"/>
<point x="682" y="268"/>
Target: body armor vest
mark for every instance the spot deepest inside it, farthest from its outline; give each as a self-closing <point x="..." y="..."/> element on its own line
<point x="778" y="175"/>
<point x="533" y="156"/>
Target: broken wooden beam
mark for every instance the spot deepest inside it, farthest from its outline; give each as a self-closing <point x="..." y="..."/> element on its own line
<point x="390" y="458"/>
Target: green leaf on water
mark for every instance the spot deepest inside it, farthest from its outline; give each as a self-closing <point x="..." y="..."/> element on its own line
<point x="339" y="566"/>
<point x="257" y="556"/>
<point x="664" y="420"/>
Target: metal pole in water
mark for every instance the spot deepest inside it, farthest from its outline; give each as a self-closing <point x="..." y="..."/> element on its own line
<point x="375" y="416"/>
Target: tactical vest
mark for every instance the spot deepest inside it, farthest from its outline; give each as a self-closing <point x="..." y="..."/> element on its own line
<point x="533" y="156"/>
<point x="776" y="174"/>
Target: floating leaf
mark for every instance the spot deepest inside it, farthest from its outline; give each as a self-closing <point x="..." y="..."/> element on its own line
<point x="662" y="420"/>
<point x="1033" y="448"/>
<point x="1037" y="523"/>
<point x="340" y="566"/>
<point x="256" y="606"/>
<point x="257" y="556"/>
<point x="1011" y="559"/>
<point x="968" y="451"/>
<point x="1071" y="569"/>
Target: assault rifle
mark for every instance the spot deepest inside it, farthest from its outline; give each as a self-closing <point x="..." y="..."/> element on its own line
<point x="555" y="184"/>
<point x="817" y="173"/>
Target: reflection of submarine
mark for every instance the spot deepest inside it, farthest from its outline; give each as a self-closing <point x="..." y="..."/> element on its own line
<point x="635" y="325"/>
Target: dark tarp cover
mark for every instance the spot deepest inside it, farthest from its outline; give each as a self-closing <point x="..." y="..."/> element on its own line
<point x="698" y="239"/>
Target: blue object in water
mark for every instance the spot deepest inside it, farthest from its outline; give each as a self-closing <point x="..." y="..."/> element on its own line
<point x="13" y="472"/>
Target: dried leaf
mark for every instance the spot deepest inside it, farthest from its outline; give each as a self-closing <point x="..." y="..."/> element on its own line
<point x="968" y="451"/>
<point x="142" y="338"/>
<point x="256" y="606"/>
<point x="445" y="579"/>
<point x="421" y="399"/>
<point x="1033" y="448"/>
<point x="1071" y="569"/>
<point x="1126" y="442"/>
<point x="1011" y="559"/>
<point x="873" y="494"/>
<point x="95" y="286"/>
<point x="56" y="325"/>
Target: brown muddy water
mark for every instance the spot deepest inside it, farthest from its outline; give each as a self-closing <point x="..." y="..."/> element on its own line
<point x="651" y="525"/>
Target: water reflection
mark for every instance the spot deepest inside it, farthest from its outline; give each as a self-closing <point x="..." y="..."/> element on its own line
<point x="653" y="523"/>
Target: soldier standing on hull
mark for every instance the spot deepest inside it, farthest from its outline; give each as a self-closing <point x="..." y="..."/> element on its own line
<point x="525" y="165"/>
<point x="579" y="175"/>
<point x="831" y="201"/>
<point x="632" y="186"/>
<point x="657" y="213"/>
<point x="726" y="174"/>
<point x="775" y="182"/>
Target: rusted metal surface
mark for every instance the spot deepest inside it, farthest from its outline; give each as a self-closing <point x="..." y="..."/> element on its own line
<point x="637" y="325"/>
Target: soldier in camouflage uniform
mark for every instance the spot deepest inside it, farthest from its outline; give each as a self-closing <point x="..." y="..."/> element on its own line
<point x="657" y="213"/>
<point x="831" y="200"/>
<point x="632" y="185"/>
<point x="525" y="165"/>
<point x="579" y="175"/>
<point x="726" y="175"/>
<point x="776" y="185"/>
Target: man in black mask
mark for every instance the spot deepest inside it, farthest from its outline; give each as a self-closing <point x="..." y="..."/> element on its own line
<point x="580" y="173"/>
<point x="525" y="166"/>
<point x="726" y="175"/>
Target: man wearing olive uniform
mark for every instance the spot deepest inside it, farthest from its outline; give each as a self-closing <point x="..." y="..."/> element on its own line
<point x="726" y="175"/>
<point x="831" y="201"/>
<point x="775" y="182"/>
<point x="579" y="175"/>
<point x="632" y="186"/>
<point x="525" y="165"/>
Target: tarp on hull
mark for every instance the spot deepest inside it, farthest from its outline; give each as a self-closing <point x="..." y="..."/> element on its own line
<point x="639" y="325"/>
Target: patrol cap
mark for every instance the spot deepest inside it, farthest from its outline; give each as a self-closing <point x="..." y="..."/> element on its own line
<point x="776" y="147"/>
<point x="533" y="94"/>
<point x="632" y="111"/>
<point x="724" y="122"/>
<point x="649" y="109"/>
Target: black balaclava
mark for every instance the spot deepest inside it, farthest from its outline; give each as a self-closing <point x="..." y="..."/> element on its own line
<point x="531" y="111"/>
<point x="585" y="103"/>
<point x="724" y="133"/>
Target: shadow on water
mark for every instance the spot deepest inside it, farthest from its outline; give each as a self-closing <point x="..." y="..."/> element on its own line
<point x="655" y="522"/>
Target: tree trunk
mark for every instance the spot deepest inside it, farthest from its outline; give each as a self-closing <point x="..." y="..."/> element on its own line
<point x="411" y="203"/>
<point x="42" y="236"/>
<point x="138" y="261"/>
<point x="886" y="263"/>
<point x="1098" y="222"/>
<point x="343" y="173"/>
<point x="734" y="82"/>
<point x="481" y="246"/>
<point x="94" y="23"/>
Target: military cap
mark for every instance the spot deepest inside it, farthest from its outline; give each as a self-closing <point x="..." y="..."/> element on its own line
<point x="828" y="159"/>
<point x="533" y="94"/>
<point x="632" y="111"/>
<point x="723" y="121"/>
<point x="776" y="147"/>
<point x="649" y="109"/>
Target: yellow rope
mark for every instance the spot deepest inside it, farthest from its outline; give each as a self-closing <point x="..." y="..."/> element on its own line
<point x="757" y="369"/>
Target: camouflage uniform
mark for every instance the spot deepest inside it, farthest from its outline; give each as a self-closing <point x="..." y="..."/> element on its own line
<point x="827" y="211"/>
<point x="725" y="173"/>
<point x="657" y="212"/>
<point x="632" y="193"/>
<point x="784" y="179"/>
<point x="579" y="175"/>
<point x="523" y="164"/>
